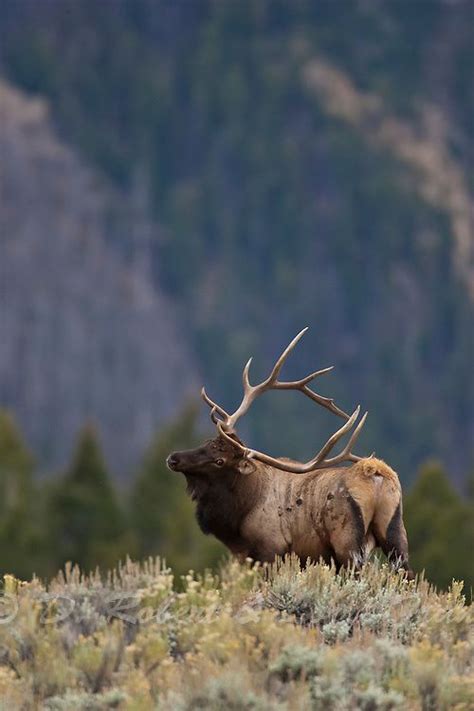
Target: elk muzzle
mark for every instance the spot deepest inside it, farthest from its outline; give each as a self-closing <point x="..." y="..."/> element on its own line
<point x="172" y="461"/>
<point x="186" y="461"/>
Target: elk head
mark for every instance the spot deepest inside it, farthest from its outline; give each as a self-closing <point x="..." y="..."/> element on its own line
<point x="218" y="457"/>
<point x="226" y="456"/>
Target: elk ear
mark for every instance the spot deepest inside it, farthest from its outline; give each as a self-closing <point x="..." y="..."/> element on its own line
<point x="246" y="466"/>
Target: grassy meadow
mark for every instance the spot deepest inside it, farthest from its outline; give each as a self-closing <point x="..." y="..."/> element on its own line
<point x="247" y="638"/>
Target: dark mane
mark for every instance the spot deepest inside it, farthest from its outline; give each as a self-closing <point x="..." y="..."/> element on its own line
<point x="221" y="507"/>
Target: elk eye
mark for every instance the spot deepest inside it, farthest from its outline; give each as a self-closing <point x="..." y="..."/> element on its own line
<point x="219" y="462"/>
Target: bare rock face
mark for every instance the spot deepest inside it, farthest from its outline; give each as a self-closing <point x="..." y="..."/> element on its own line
<point x="83" y="335"/>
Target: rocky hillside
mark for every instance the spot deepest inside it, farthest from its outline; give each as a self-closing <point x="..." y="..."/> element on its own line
<point x="84" y="333"/>
<point x="305" y="165"/>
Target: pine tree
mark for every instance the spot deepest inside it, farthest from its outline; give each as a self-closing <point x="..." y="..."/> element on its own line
<point x="162" y="513"/>
<point x="439" y="528"/>
<point x="20" y="535"/>
<point x="87" y="524"/>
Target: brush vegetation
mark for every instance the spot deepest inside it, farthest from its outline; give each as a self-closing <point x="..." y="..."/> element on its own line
<point x="249" y="638"/>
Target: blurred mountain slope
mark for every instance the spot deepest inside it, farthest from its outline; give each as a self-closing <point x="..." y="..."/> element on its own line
<point x="83" y="335"/>
<point x="309" y="163"/>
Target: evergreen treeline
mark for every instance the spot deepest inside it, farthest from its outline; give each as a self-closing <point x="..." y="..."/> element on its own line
<point x="81" y="517"/>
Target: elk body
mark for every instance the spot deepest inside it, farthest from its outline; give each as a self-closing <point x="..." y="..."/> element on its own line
<point x="260" y="506"/>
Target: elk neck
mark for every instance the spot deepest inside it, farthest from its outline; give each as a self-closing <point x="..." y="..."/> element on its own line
<point x="223" y="503"/>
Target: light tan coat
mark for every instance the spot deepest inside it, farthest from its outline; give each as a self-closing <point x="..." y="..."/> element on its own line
<point x="260" y="511"/>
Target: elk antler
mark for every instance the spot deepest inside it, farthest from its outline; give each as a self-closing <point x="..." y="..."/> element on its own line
<point x="226" y="422"/>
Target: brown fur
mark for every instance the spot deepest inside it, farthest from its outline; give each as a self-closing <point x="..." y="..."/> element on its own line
<point x="259" y="511"/>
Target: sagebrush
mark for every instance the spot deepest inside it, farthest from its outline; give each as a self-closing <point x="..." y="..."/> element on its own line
<point x="279" y="637"/>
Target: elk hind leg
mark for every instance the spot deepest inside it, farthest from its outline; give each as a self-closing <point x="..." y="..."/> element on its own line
<point x="348" y="535"/>
<point x="394" y="542"/>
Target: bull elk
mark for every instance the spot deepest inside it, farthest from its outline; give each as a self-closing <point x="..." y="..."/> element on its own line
<point x="261" y="506"/>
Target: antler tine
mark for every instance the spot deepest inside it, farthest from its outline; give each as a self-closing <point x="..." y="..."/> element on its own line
<point x="326" y="402"/>
<point x="312" y="376"/>
<point x="245" y="375"/>
<point x="214" y="417"/>
<point x="319" y="461"/>
<point x="334" y="438"/>
<point x="302" y="385"/>
<point x="346" y="453"/>
<point x="273" y="377"/>
<point x="214" y="406"/>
